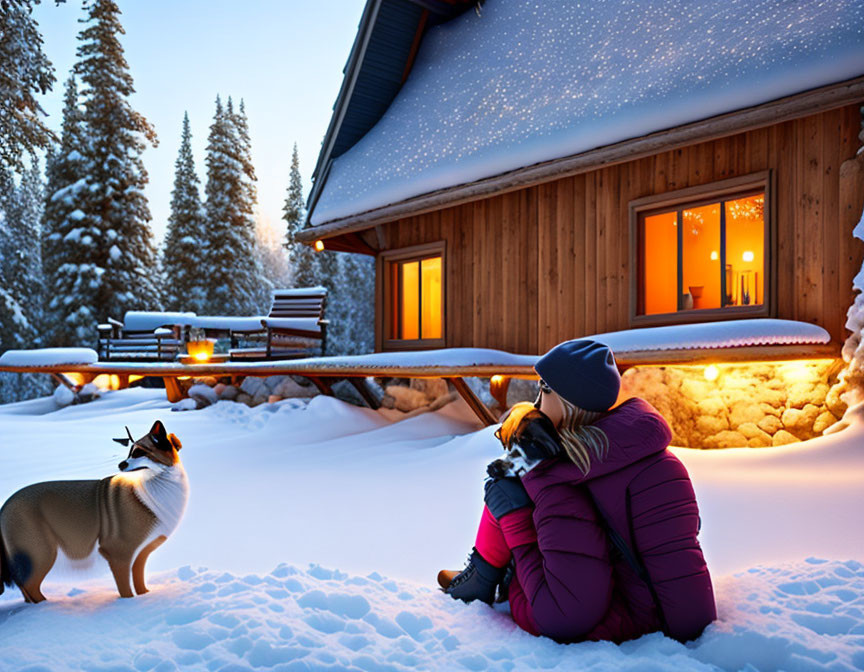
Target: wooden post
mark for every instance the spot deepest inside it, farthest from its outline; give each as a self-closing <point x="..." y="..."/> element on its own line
<point x="322" y="385"/>
<point x="362" y="387"/>
<point x="498" y="386"/>
<point x="172" y="389"/>
<point x="479" y="408"/>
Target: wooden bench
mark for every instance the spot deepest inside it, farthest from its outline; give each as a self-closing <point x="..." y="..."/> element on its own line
<point x="117" y="342"/>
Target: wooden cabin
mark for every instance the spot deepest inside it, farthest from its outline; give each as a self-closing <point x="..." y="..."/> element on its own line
<point x="692" y="180"/>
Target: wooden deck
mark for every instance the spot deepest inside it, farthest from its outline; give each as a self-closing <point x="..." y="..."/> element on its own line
<point x="323" y="371"/>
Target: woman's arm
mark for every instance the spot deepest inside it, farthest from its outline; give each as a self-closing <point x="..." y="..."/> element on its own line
<point x="562" y="563"/>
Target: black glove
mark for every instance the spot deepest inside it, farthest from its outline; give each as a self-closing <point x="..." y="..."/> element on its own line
<point x="505" y="495"/>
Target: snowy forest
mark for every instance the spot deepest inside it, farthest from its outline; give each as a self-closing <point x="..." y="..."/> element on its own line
<point x="76" y="242"/>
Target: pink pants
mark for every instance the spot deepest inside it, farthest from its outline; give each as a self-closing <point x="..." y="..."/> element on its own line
<point x="494" y="541"/>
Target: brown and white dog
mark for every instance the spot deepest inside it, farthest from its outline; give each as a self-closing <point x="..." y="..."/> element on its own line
<point x="129" y="515"/>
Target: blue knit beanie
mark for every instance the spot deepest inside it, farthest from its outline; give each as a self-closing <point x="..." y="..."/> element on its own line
<point x="583" y="372"/>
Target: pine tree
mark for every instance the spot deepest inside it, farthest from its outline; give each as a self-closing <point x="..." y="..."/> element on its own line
<point x="21" y="249"/>
<point x="25" y="72"/>
<point x="66" y="242"/>
<point x="305" y="261"/>
<point x="185" y="242"/>
<point x="350" y="283"/>
<point x="294" y="209"/>
<point x="122" y="256"/>
<point x="237" y="284"/>
<point x="21" y="283"/>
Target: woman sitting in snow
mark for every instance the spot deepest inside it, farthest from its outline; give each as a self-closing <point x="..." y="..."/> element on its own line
<point x="594" y="516"/>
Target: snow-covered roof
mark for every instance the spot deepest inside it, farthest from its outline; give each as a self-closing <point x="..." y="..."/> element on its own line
<point x="531" y="81"/>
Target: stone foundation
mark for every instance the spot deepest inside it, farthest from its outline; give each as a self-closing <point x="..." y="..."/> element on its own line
<point x="753" y="404"/>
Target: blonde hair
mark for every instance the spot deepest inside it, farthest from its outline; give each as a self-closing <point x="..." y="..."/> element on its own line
<point x="582" y="442"/>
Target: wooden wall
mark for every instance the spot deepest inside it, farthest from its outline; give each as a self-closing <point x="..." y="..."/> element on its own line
<point x="530" y="268"/>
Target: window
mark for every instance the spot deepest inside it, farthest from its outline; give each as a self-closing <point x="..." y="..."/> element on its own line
<point x="702" y="255"/>
<point x="414" y="296"/>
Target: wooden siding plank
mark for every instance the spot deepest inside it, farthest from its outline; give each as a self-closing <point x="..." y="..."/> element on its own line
<point x="810" y="203"/>
<point x="833" y="301"/>
<point x="548" y="264"/>
<point x="590" y="267"/>
<point x="572" y="223"/>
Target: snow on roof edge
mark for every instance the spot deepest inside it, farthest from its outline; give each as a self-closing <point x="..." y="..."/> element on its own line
<point x="784" y="53"/>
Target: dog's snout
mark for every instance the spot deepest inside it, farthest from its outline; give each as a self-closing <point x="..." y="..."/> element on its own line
<point x="122" y="466"/>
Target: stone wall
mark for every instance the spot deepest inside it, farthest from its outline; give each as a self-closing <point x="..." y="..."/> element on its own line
<point x="752" y="404"/>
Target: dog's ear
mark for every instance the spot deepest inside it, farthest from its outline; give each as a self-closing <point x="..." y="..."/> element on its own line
<point x="158" y="431"/>
<point x="175" y="441"/>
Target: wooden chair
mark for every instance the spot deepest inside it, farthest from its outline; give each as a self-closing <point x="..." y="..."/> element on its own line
<point x="294" y="328"/>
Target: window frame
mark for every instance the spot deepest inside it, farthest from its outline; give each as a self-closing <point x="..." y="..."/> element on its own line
<point x="389" y="258"/>
<point x="695" y="197"/>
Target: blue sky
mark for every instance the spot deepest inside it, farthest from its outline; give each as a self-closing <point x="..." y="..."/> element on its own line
<point x="284" y="57"/>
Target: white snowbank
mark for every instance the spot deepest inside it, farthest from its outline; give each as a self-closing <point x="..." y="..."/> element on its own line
<point x="324" y="482"/>
<point x="530" y="81"/>
<point x="725" y="334"/>
<point x="48" y="357"/>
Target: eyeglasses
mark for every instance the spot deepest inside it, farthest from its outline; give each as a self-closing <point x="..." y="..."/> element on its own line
<point x="543" y="388"/>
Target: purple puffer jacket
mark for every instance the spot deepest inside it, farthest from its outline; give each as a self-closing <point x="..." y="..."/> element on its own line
<point x="566" y="585"/>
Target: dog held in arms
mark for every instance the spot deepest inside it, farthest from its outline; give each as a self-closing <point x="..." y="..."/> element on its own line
<point x="129" y="515"/>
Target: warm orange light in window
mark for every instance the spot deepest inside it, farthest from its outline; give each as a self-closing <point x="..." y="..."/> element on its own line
<point x="430" y="320"/>
<point x="661" y="263"/>
<point x="411" y="300"/>
<point x="745" y="251"/>
<point x="701" y="280"/>
<point x="418" y="299"/>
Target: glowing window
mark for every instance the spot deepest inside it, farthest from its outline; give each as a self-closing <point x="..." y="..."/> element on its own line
<point x="417" y="299"/>
<point x="703" y="256"/>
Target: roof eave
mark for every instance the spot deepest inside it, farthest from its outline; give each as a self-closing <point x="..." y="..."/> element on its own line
<point x="767" y="114"/>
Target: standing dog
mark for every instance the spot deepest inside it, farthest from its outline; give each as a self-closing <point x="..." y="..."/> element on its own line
<point x="129" y="515"/>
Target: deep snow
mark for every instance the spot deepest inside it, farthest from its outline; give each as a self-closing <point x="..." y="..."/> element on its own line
<point x="389" y="503"/>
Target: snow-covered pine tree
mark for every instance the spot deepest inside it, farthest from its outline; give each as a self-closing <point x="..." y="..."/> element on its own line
<point x="350" y="283"/>
<point x="21" y="281"/>
<point x="183" y="259"/>
<point x="235" y="278"/>
<point x="26" y="73"/>
<point x="122" y="255"/>
<point x="294" y="208"/>
<point x="241" y="124"/>
<point x="66" y="243"/>
<point x="305" y="263"/>
<point x="15" y="328"/>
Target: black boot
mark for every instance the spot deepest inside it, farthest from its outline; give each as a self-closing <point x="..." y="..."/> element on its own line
<point x="477" y="581"/>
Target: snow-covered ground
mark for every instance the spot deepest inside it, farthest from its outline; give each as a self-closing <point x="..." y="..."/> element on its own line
<point x="321" y="527"/>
